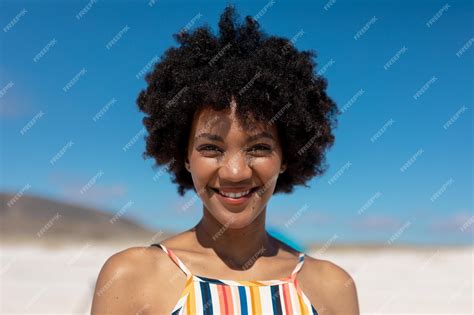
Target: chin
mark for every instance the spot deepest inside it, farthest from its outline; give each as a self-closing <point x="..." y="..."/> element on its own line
<point x="232" y="219"/>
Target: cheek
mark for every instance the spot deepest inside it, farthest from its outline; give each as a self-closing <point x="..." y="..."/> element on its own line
<point x="265" y="168"/>
<point x="202" y="169"/>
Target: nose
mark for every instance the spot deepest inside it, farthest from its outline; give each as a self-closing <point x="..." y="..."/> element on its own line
<point x="236" y="167"/>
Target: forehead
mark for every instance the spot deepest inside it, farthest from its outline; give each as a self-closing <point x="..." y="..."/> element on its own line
<point x="226" y="121"/>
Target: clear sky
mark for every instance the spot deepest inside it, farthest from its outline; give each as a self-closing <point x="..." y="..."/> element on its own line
<point x="399" y="172"/>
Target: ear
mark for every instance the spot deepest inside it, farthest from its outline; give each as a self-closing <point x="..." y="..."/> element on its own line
<point x="186" y="164"/>
<point x="283" y="167"/>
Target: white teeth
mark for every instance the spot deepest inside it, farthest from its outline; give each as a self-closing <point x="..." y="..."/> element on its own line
<point x="234" y="195"/>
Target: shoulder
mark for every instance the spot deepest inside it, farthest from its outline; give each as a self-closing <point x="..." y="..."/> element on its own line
<point x="126" y="279"/>
<point x="131" y="262"/>
<point x="329" y="286"/>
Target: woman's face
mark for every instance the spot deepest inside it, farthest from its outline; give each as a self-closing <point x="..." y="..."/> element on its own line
<point x="223" y="158"/>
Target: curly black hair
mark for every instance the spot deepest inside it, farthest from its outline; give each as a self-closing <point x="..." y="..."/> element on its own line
<point x="270" y="80"/>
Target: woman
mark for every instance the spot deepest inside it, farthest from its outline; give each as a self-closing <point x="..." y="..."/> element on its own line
<point x="238" y="118"/>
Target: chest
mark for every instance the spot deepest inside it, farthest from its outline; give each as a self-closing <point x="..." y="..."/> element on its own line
<point x="214" y="296"/>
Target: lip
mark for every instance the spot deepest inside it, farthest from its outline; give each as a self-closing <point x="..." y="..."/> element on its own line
<point x="232" y="201"/>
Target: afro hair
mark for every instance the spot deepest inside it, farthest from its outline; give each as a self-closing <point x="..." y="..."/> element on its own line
<point x="270" y="80"/>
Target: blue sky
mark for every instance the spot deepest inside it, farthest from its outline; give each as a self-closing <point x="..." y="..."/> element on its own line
<point x="399" y="172"/>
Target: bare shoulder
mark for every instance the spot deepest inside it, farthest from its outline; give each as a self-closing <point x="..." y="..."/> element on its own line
<point x="329" y="287"/>
<point x="128" y="281"/>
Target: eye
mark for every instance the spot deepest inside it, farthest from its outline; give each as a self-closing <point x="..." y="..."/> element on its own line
<point x="261" y="148"/>
<point x="209" y="147"/>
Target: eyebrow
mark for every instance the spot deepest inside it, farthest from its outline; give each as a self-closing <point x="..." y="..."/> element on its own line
<point x="214" y="137"/>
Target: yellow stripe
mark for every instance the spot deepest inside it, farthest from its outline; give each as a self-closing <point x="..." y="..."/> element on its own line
<point x="255" y="300"/>
<point x="303" y="308"/>
<point x="187" y="287"/>
<point x="191" y="300"/>
<point x="250" y="283"/>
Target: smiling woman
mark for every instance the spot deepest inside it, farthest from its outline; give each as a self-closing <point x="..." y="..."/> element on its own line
<point x="237" y="118"/>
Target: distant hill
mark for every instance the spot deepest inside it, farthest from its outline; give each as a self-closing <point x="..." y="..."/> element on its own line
<point x="38" y="219"/>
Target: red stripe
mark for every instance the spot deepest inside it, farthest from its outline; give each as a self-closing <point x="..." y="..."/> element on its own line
<point x="287" y="298"/>
<point x="228" y="294"/>
<point x="222" y="299"/>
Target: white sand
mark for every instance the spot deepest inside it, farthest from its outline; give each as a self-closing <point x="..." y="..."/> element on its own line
<point x="409" y="281"/>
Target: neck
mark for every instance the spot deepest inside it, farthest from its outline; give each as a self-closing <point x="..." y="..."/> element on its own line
<point x="239" y="248"/>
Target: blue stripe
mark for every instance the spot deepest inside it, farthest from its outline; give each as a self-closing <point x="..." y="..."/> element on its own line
<point x="243" y="300"/>
<point x="210" y="280"/>
<point x="314" y="310"/>
<point x="177" y="311"/>
<point x="206" y="298"/>
<point x="276" y="302"/>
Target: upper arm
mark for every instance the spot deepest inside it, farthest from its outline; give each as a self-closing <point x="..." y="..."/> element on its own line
<point x="114" y="291"/>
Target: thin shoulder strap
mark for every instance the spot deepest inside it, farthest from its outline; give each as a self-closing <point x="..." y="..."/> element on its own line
<point x="175" y="258"/>
<point x="298" y="265"/>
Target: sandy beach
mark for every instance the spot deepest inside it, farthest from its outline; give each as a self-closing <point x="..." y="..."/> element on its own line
<point x="60" y="279"/>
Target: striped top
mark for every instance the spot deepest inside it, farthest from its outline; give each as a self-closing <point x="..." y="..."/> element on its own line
<point x="202" y="295"/>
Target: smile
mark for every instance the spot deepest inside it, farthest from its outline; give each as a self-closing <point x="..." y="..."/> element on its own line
<point x="234" y="198"/>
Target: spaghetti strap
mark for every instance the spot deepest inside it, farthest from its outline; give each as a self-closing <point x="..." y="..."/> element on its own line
<point x="175" y="259"/>
<point x="298" y="266"/>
